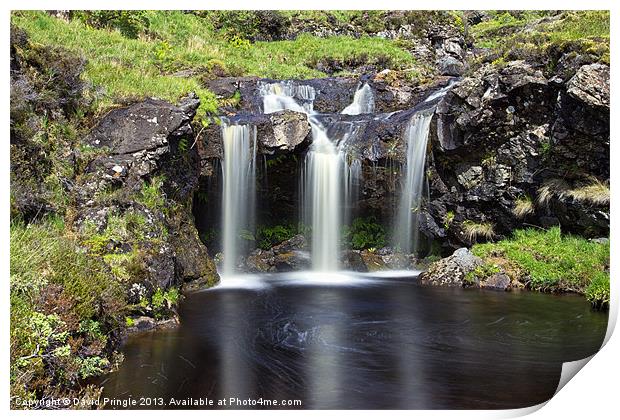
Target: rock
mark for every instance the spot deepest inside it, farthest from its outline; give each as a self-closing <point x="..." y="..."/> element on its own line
<point x="139" y="143"/>
<point x="450" y="271"/>
<point x="290" y="129"/>
<point x="144" y="126"/>
<point x="372" y="261"/>
<point x="470" y="177"/>
<point x="142" y="323"/>
<point x="590" y="85"/>
<point x="353" y="261"/>
<point x="450" y="66"/>
<point x="145" y="323"/>
<point x="289" y="255"/>
<point x="498" y="281"/>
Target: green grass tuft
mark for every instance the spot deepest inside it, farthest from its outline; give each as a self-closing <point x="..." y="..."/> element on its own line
<point x="555" y="262"/>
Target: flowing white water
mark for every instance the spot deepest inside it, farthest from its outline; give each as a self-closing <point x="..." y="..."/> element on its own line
<point x="323" y="194"/>
<point x="239" y="186"/>
<point x="363" y="102"/>
<point x="416" y="138"/>
<point x="406" y="232"/>
<point x="322" y="178"/>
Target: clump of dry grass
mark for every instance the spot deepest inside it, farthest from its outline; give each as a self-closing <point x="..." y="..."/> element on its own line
<point x="523" y="207"/>
<point x="549" y="189"/>
<point x="474" y="230"/>
<point x="594" y="191"/>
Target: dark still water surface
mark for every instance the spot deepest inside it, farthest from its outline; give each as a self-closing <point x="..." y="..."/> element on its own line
<point x="373" y="344"/>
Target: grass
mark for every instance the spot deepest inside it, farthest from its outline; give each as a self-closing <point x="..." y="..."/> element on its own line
<point x="476" y="230"/>
<point x="42" y="253"/>
<point x="551" y="188"/>
<point x="63" y="306"/>
<point x="592" y="191"/>
<point x="526" y="33"/>
<point x="133" y="68"/>
<point x="523" y="207"/>
<point x="555" y="262"/>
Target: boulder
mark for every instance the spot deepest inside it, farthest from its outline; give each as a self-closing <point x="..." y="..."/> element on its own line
<point x="289" y="255"/>
<point x="590" y="85"/>
<point x="450" y="271"/>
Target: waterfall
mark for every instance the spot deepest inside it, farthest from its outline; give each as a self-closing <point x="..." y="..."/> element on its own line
<point x="323" y="166"/>
<point x="239" y="183"/>
<point x="322" y="178"/>
<point x="416" y="139"/>
<point x="406" y="232"/>
<point x="363" y="102"/>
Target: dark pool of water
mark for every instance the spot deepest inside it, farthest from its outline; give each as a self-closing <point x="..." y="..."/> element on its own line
<point x="385" y="344"/>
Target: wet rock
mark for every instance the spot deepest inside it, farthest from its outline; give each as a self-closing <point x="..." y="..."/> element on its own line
<point x="289" y="255"/>
<point x="290" y="129"/>
<point x="450" y="271"/>
<point x="372" y="261"/>
<point x="353" y="261"/>
<point x="498" y="281"/>
<point x="145" y="323"/>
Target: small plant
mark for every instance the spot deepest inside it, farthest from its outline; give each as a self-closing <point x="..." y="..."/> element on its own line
<point x="523" y="207"/>
<point x="92" y="366"/>
<point x="151" y="194"/>
<point x="475" y="230"/>
<point x="269" y="236"/>
<point x="448" y="219"/>
<point x="552" y="188"/>
<point x="594" y="191"/>
<point x="364" y="233"/>
<point x="597" y="291"/>
<point x="162" y="302"/>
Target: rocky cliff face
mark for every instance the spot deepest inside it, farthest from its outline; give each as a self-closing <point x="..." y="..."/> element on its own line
<point x="146" y="165"/>
<point x="510" y="146"/>
<point x="504" y="139"/>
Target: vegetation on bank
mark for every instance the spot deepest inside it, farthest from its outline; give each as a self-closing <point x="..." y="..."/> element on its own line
<point x="71" y="284"/>
<point x="552" y="262"/>
<point x="65" y="313"/>
<point x="167" y="54"/>
<point x="532" y="34"/>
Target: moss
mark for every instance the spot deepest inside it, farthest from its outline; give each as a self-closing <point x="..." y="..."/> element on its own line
<point x="481" y="272"/>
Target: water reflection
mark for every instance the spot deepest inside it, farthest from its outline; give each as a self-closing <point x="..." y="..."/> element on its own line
<point x="383" y="344"/>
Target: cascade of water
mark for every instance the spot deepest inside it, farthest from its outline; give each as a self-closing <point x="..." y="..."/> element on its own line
<point x="406" y="232"/>
<point x="416" y="138"/>
<point x="363" y="102"/>
<point x="322" y="179"/>
<point x="239" y="176"/>
<point x="323" y="195"/>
